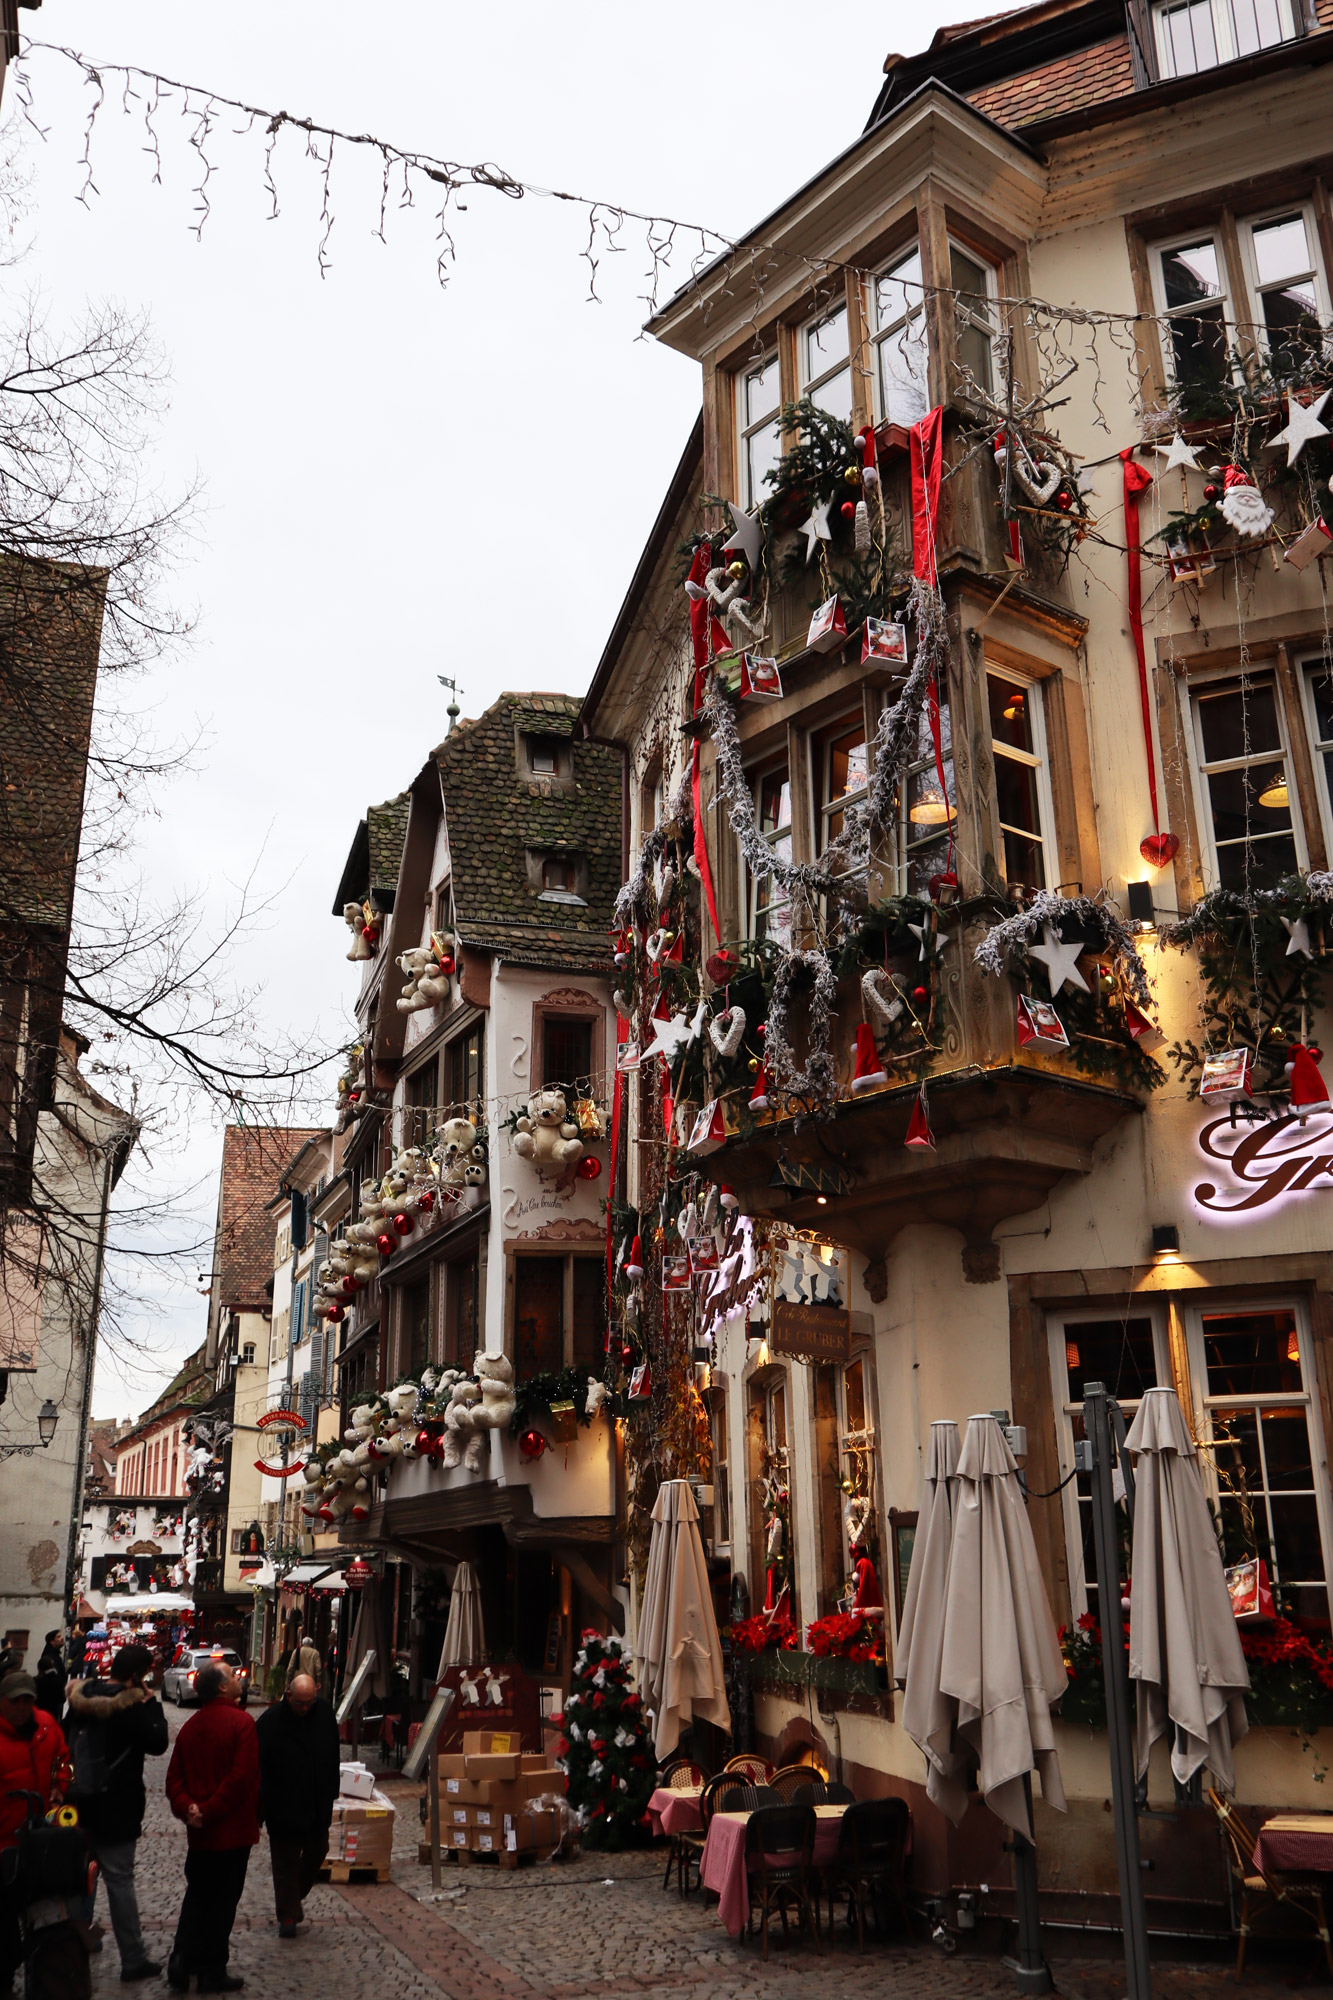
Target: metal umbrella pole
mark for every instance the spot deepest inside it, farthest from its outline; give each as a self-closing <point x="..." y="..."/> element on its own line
<point x="1028" y="1965"/>
<point x="1104" y="1436"/>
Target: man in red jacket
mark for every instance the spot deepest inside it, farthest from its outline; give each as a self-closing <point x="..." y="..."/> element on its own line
<point x="33" y="1759"/>
<point x="213" y="1785"/>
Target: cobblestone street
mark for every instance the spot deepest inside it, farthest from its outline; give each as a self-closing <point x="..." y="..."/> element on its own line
<point x="599" y="1924"/>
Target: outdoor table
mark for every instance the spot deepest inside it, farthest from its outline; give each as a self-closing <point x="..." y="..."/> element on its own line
<point x="722" y="1866"/>
<point x="676" y="1810"/>
<point x="1296" y="1844"/>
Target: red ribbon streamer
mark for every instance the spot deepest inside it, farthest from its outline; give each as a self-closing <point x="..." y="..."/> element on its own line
<point x="1137" y="480"/>
<point x="700" y="844"/>
<point x="925" y="439"/>
<point x="622" y="1034"/>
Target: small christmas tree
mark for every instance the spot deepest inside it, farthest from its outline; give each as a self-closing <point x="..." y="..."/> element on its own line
<point x="606" y="1753"/>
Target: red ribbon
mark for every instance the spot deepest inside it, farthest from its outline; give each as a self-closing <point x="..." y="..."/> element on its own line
<point x="700" y="844"/>
<point x="622" y="1034"/>
<point x="925" y="439"/>
<point x="1137" y="480"/>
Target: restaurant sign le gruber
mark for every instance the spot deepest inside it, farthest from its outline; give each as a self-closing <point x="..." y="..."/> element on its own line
<point x="1266" y="1162"/>
<point x="811" y="1333"/>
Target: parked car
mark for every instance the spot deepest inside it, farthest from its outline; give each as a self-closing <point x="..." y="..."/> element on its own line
<point x="179" y="1678"/>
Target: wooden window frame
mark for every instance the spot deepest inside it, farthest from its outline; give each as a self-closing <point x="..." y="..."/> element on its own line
<point x="1038" y="760"/>
<point x="568" y="1003"/>
<point x="1257" y="670"/>
<point x="1222" y="11"/>
<point x="567" y="1255"/>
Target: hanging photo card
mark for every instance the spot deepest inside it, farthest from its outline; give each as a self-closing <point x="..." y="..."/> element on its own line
<point x="885" y="640"/>
<point x="1038" y="1022"/>
<point x="675" y="1274"/>
<point x="1311" y="543"/>
<point x="828" y="627"/>
<point x="703" y="1254"/>
<point x="1189" y="565"/>
<point x="1227" y="1075"/>
<point x="708" y="1132"/>
<point x="627" y="1058"/>
<point x="760" y="679"/>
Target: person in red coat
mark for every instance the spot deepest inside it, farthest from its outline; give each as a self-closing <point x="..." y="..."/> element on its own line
<point x="213" y="1785"/>
<point x="33" y="1758"/>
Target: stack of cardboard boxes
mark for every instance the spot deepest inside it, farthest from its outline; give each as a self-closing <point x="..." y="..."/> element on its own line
<point x="361" y="1835"/>
<point x="498" y="1799"/>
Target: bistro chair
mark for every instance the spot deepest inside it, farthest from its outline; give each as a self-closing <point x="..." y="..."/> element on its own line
<point x="791" y="1778"/>
<point x="720" y="1794"/>
<point x="824" y="1792"/>
<point x="679" y="1776"/>
<point x="872" y="1840"/>
<point x="1259" y="1892"/>
<point x="751" y="1765"/>
<point x="779" y="1868"/>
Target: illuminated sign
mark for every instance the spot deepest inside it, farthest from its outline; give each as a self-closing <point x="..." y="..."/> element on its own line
<point x="280" y="1433"/>
<point x="1265" y="1162"/>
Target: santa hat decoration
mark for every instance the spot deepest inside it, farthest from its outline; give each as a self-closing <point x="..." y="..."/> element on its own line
<point x="918" y="1125"/>
<point x="759" y="1095"/>
<point x="634" y="1262"/>
<point x="1140" y="1029"/>
<point x="1244" y="508"/>
<point x="727" y="1197"/>
<point x="1308" y="1088"/>
<point x="869" y="1072"/>
<point x="868" y="1594"/>
<point x="865" y="438"/>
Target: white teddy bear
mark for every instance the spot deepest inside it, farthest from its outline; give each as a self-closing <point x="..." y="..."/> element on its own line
<point x="402" y="1400"/>
<point x="458" y="1136"/>
<point x="546" y="1136"/>
<point x="495" y="1373"/>
<point x="463" y="1398"/>
<point x="427" y="984"/>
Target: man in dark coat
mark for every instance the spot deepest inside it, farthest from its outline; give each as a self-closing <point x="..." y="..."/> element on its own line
<point x="298" y="1773"/>
<point x="120" y="1723"/>
<point x="51" y="1676"/>
<point x="213" y="1785"/>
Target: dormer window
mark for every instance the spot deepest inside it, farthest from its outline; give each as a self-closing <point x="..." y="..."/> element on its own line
<point x="543" y="756"/>
<point x="1201" y="34"/>
<point x="559" y="877"/>
<point x="558" y="872"/>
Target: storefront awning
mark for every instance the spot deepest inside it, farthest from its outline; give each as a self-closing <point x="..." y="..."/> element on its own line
<point x="315" y="1576"/>
<point x="147" y="1604"/>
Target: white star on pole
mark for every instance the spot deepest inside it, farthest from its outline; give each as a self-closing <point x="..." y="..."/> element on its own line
<point x="817" y="529"/>
<point x="1298" y="936"/>
<point x="1302" y="425"/>
<point x="1179" y="453"/>
<point x="1060" y="960"/>
<point x="748" y="538"/>
<point x="921" y="932"/>
<point x="676" y="1032"/>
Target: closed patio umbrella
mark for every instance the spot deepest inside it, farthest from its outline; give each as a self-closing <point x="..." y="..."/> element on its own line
<point x="677" y="1643"/>
<point x="464" y="1634"/>
<point x="1000" y="1657"/>
<point x="1184" y="1645"/>
<point x="368" y="1634"/>
<point x="929" y="1716"/>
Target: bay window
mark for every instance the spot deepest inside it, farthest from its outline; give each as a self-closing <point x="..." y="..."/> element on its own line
<point x="826" y="362"/>
<point x="1191" y="294"/>
<point x="1319" y="703"/>
<point x="899" y="340"/>
<point x="1022" y="781"/>
<point x="1245" y="778"/>
<point x="841" y="775"/>
<point x="1288" y="284"/>
<point x="559" y="1313"/>
<point x="760" y="433"/>
<point x="975" y="320"/>
<point x="769" y="911"/>
<point x="925" y="810"/>
<point x="1191" y="35"/>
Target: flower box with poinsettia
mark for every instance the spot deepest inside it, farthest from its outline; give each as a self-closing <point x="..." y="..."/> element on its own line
<point x="1291" y="1679"/>
<point x="843" y="1635"/>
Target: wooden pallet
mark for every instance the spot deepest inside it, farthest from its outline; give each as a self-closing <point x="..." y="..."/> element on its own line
<point x="353" y="1871"/>
<point x="466" y="1857"/>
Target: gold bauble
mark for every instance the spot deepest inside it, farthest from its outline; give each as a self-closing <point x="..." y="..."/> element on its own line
<point x="737" y="569"/>
<point x="853" y="475"/>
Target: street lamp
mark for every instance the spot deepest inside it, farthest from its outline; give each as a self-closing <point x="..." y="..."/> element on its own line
<point x="47" y="1418"/>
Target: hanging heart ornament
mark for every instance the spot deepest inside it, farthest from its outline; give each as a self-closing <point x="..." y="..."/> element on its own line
<point x="1038" y="478"/>
<point x="1159" y="848"/>
<point x="726" y="1030"/>
<point x="880" y="992"/>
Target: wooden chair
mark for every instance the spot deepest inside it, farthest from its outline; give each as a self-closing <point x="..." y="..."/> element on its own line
<point x="789" y="1780"/>
<point x="1258" y="1891"/>
<point x="872" y="1841"/>
<point x="751" y="1765"/>
<point x="680" y="1776"/>
<point x="779" y="1868"/>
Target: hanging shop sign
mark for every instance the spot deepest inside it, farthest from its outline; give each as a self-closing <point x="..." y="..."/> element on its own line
<point x="357" y="1573"/>
<point x="280" y="1443"/>
<point x="1265" y="1162"/>
<point x="809" y="1286"/>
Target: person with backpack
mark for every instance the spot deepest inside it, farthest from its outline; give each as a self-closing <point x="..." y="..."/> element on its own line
<point x="34" y="1770"/>
<point x="114" y="1724"/>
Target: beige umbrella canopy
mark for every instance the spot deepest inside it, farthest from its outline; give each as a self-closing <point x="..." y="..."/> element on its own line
<point x="368" y="1635"/>
<point x="1184" y="1645"/>
<point x="464" y="1634"/>
<point x="677" y="1643"/>
<point x="1000" y="1658"/>
<point x="929" y="1716"/>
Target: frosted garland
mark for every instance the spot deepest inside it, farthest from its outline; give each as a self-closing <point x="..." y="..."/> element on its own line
<point x="1223" y="903"/>
<point x="634" y="895"/>
<point x="817" y="1082"/>
<point x="1016" y="932"/>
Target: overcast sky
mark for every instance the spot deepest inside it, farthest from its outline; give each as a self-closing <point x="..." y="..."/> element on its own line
<point x="400" y="480"/>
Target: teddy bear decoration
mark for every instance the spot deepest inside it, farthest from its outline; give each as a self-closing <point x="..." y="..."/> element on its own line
<point x="546" y="1136"/>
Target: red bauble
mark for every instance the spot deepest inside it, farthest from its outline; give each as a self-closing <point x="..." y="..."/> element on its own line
<point x="386" y="1244"/>
<point x="1210" y="492"/>
<point x="369" y="933"/>
<point x="532" y="1444"/>
<point x="847" y="509"/>
<point x="350" y="1285"/>
<point x="447" y="965"/>
<point x="425" y="1443"/>
<point x="919" y="994"/>
<point x="761" y="1031"/>
<point x="589" y="1168"/>
<point x="403" y="1224"/>
<point x="336" y="1314"/>
<point x="354" y="1097"/>
<point x="1064" y="501"/>
<point x="627" y="1354"/>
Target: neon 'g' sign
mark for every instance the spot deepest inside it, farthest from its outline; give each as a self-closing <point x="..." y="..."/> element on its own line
<point x="1266" y="1162"/>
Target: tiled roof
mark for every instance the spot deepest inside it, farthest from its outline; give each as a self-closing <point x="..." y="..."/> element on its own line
<point x="252" y="1159"/>
<point x="102" y="1456"/>
<point x="386" y="829"/>
<point x="50" y="634"/>
<point x="1089" y="76"/>
<point x="496" y="817"/>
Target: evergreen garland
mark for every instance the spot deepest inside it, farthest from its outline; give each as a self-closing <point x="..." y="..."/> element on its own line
<point x="606" y="1753"/>
<point x="537" y="1392"/>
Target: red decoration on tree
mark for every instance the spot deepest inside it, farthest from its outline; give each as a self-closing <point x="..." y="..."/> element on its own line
<point x="336" y="1314"/>
<point x="1159" y="848"/>
<point x="919" y="1133"/>
<point x="426" y="1201"/>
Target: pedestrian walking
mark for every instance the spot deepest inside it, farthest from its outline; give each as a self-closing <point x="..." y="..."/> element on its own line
<point x="78" y="1646"/>
<point x="113" y="1725"/>
<point x="33" y="1760"/>
<point x="305" y="1659"/>
<point x="51" y="1676"/>
<point x="213" y="1785"/>
<point x="298" y="1777"/>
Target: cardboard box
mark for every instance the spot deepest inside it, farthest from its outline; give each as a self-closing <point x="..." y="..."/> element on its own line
<point x="485" y="1839"/>
<point x="486" y="1764"/>
<point x="361" y="1832"/>
<point x="451" y="1767"/>
<point x="485" y="1742"/>
<point x="534" y="1760"/>
<point x="465" y="1791"/>
<point x="531" y="1829"/>
<point x="355" y="1781"/>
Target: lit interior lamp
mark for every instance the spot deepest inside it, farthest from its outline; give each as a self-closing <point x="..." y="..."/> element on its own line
<point x="821" y="1201"/>
<point x="1072" y="1361"/>
<point x="931" y="809"/>
<point x="1293" y="1346"/>
<point x="1274" y="793"/>
<point x="1015" y="705"/>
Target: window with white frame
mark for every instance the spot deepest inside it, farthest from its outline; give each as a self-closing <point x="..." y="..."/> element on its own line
<point x="1190" y="292"/>
<point x="758" y="398"/>
<point x="1262" y="1447"/>
<point x="925" y="808"/>
<point x="898" y="312"/>
<point x="1290" y="299"/>
<point x="1318" y="677"/>
<point x="1200" y="34"/>
<point x="976" y="323"/>
<point x="1022" y="781"/>
<point x="769" y="909"/>
<point x="1128" y="1352"/>
<point x="826" y="361"/>
<point x="840" y="775"/>
<point x="1244" y="771"/>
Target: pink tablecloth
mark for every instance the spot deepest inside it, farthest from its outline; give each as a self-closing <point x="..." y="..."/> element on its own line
<point x="722" y="1868"/>
<point x="1296" y="1844"/>
<point x="673" y="1811"/>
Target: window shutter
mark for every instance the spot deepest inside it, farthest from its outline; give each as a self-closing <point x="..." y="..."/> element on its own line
<point x="316" y="1375"/>
<point x="299" y="1219"/>
<point x="97" y="1573"/>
